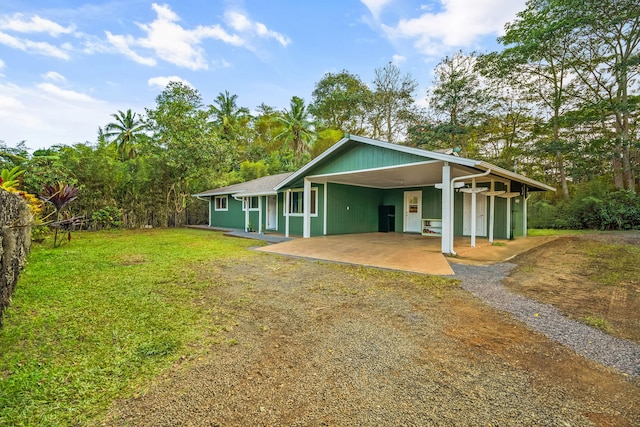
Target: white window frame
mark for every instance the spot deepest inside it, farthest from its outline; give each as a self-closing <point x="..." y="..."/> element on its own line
<point x="251" y="207"/>
<point x="314" y="195"/>
<point x="226" y="203"/>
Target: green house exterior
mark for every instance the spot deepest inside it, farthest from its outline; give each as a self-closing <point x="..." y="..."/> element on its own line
<point x="342" y="192"/>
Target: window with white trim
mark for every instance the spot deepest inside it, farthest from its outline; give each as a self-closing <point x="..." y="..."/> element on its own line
<point x="221" y="203"/>
<point x="296" y="202"/>
<point x="253" y="203"/>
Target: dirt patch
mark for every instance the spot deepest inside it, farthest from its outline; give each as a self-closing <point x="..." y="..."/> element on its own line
<point x="320" y="344"/>
<point x="592" y="278"/>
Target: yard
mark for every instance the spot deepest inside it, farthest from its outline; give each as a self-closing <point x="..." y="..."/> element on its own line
<point x="186" y="327"/>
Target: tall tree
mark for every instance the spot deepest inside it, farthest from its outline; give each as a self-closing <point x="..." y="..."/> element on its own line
<point x="393" y="106"/>
<point x="340" y="101"/>
<point x="538" y="52"/>
<point x="125" y="131"/>
<point x="228" y="116"/>
<point x="455" y="101"/>
<point x="298" y="130"/>
<point x="606" y="59"/>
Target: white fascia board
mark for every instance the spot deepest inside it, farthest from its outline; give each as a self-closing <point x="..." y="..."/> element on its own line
<point x="300" y="172"/>
<point x="495" y="170"/>
<point x="262" y="193"/>
<point x="395" y="147"/>
<point x="355" y="171"/>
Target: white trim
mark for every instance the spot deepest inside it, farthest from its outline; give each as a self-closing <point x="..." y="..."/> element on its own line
<point x="306" y="209"/>
<point x="324" y="210"/>
<point x="287" y="195"/>
<point x="447" y="225"/>
<point x="404" y="211"/>
<point x="268" y="212"/>
<point x="260" y="215"/>
<point x="301" y="190"/>
<point x="382" y="168"/>
<point x="245" y="198"/>
<point x="395" y="147"/>
<point x="226" y="203"/>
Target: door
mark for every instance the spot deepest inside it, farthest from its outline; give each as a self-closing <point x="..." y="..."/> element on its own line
<point x="412" y="211"/>
<point x="481" y="215"/>
<point x="272" y="213"/>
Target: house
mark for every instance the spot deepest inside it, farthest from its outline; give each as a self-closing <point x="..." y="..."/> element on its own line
<point x="361" y="185"/>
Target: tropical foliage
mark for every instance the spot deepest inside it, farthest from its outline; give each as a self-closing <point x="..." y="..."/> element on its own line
<point x="558" y="102"/>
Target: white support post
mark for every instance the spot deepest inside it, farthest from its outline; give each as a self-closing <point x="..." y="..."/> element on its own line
<point x="492" y="209"/>
<point x="324" y="212"/>
<point x="287" y="195"/>
<point x="509" y="212"/>
<point x="306" y="201"/>
<point x="260" y="214"/>
<point x="447" y="225"/>
<point x="246" y="213"/>
<point x="525" y="224"/>
<point x="474" y="215"/>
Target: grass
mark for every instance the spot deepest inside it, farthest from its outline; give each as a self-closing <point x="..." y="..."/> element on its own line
<point x="95" y="319"/>
<point x="614" y="264"/>
<point x="554" y="232"/>
<point x="596" y="322"/>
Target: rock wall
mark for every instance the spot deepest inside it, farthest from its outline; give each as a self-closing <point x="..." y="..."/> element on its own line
<point x="15" y="241"/>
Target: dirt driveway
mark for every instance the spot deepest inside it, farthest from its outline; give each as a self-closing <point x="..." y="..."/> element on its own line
<point x="319" y="344"/>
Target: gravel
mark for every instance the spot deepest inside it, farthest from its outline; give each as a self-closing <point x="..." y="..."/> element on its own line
<point x="485" y="282"/>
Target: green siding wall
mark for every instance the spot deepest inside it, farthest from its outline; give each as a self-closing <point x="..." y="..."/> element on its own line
<point x="232" y="218"/>
<point x="363" y="156"/>
<point x="352" y="209"/>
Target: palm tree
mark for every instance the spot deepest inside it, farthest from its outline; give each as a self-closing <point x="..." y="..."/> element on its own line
<point x="298" y="132"/>
<point x="228" y="116"/>
<point x="125" y="132"/>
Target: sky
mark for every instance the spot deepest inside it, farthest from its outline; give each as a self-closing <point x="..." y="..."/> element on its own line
<point x="66" y="66"/>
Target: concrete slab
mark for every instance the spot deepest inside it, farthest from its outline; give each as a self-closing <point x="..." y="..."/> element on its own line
<point x="395" y="251"/>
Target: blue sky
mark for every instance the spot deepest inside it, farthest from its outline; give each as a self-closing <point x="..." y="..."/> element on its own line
<point x="66" y="65"/>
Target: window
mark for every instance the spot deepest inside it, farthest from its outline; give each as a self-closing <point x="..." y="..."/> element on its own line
<point x="253" y="203"/>
<point x="296" y="202"/>
<point x="221" y="203"/>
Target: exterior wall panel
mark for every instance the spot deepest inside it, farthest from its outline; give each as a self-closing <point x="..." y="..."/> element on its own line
<point x="231" y="218"/>
<point x="365" y="157"/>
<point x="352" y="209"/>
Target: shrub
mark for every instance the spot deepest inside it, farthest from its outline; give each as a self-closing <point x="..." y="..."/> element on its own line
<point x="107" y="217"/>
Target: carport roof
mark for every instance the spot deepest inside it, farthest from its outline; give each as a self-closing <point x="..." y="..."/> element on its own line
<point x="404" y="175"/>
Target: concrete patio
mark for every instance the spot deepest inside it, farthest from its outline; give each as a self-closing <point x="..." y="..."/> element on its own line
<point x="405" y="252"/>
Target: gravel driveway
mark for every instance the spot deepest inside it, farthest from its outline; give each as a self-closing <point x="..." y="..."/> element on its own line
<point x="316" y="344"/>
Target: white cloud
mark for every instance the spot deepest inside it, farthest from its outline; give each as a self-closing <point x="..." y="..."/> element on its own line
<point x="122" y="43"/>
<point x="19" y="23"/>
<point x="459" y="23"/>
<point x="163" y="81"/>
<point x="375" y="6"/>
<point x="166" y="39"/>
<point x="398" y="59"/>
<point x="30" y="46"/>
<point x="2" y="65"/>
<point x="54" y="77"/>
<point x="64" y="95"/>
<point x="170" y="41"/>
<point x="241" y="23"/>
<point x="50" y="115"/>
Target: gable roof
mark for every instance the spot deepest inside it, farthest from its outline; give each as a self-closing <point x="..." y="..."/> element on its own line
<point x="256" y="187"/>
<point x="348" y="140"/>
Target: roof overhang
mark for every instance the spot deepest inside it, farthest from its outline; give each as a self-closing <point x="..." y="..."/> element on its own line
<point x="408" y="175"/>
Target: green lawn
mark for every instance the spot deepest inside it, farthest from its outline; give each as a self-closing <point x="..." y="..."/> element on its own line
<point x="95" y="319"/>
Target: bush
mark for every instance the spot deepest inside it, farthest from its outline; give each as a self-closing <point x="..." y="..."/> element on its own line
<point x="107" y="217"/>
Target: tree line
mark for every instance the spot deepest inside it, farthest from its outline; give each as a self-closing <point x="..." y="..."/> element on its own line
<point x="558" y="102"/>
